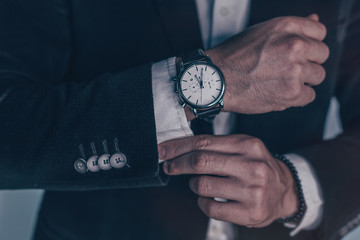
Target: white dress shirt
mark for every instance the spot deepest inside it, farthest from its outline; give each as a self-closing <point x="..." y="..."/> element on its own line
<point x="220" y="20"/>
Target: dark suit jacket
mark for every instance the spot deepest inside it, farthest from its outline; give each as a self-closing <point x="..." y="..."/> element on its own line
<point x="77" y="72"/>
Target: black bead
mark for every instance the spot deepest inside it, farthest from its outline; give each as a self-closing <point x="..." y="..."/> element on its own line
<point x="302" y="204"/>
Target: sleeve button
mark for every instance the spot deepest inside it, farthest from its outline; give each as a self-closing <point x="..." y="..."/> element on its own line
<point x="92" y="164"/>
<point x="118" y="160"/>
<point x="80" y="166"/>
<point x="104" y="162"/>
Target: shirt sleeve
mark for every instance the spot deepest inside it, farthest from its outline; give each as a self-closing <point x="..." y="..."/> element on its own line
<point x="312" y="195"/>
<point x="170" y="117"/>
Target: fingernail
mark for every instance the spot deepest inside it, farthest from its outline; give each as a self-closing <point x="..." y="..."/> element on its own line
<point x="162" y="152"/>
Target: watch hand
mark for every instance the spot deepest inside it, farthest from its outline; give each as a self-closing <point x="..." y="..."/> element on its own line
<point x="201" y="84"/>
<point x="198" y="80"/>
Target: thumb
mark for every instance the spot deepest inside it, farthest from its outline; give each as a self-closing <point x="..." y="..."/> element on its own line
<point x="314" y="17"/>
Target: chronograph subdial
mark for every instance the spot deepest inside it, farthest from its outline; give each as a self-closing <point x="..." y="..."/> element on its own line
<point x="193" y="86"/>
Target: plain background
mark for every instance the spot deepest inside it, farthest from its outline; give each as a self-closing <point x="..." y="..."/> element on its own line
<point x="19" y="208"/>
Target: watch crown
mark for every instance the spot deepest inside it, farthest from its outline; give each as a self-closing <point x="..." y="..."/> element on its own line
<point x="221" y="102"/>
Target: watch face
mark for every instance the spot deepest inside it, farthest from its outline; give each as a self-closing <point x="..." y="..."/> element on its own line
<point x="201" y="85"/>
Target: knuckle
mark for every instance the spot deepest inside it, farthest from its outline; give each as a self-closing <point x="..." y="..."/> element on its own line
<point x="255" y="145"/>
<point x="261" y="171"/>
<point x="202" y="142"/>
<point x="322" y="73"/>
<point x="203" y="187"/>
<point x="213" y="211"/>
<point x="309" y="97"/>
<point x="258" y="215"/>
<point x="295" y="44"/>
<point x="259" y="194"/>
<point x="312" y="95"/>
<point x="200" y="162"/>
<point x="327" y="51"/>
<point x="323" y="29"/>
<point x="286" y="24"/>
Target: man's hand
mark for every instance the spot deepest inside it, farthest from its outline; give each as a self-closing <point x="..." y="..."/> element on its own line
<point x="272" y="65"/>
<point x="239" y="168"/>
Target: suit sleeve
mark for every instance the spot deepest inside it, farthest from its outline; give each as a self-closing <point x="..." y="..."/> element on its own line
<point x="45" y="120"/>
<point x="337" y="162"/>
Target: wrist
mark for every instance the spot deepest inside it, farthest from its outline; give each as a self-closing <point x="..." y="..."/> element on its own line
<point x="219" y="62"/>
<point x="293" y="205"/>
<point x="188" y="113"/>
<point x="290" y="203"/>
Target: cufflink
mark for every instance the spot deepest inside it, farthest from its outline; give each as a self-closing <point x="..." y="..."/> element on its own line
<point x="104" y="162"/>
<point x="92" y="164"/>
<point x="118" y="160"/>
<point x="80" y="166"/>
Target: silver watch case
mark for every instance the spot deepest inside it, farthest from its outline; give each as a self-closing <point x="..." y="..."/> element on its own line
<point x="184" y="101"/>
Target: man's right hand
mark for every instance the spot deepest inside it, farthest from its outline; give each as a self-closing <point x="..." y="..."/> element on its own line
<point x="273" y="65"/>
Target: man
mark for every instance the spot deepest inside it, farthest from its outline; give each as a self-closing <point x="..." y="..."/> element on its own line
<point x="58" y="107"/>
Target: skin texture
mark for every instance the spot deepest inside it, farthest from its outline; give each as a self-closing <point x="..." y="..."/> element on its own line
<point x="272" y="65"/>
<point x="239" y="168"/>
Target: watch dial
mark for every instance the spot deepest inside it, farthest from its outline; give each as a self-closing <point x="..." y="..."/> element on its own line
<point x="201" y="85"/>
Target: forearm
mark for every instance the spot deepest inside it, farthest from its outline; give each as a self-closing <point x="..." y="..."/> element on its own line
<point x="50" y="116"/>
<point x="42" y="127"/>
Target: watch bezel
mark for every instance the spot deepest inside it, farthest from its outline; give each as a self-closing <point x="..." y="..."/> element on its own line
<point x="194" y="106"/>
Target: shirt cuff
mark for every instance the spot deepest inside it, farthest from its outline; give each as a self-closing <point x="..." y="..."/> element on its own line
<point x="312" y="195"/>
<point x="170" y="118"/>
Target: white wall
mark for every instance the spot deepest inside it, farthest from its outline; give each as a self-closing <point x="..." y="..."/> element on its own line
<point x="18" y="212"/>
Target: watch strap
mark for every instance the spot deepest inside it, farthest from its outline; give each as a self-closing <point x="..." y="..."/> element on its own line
<point x="209" y="114"/>
<point x="194" y="56"/>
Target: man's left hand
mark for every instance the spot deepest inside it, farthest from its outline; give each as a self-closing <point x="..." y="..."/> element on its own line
<point x="259" y="188"/>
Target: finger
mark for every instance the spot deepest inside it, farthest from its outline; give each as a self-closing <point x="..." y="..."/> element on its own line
<point x="314" y="16"/>
<point x="311" y="28"/>
<point x="314" y="74"/>
<point x="307" y="96"/>
<point x="222" y="144"/>
<point x="218" y="187"/>
<point x="317" y="51"/>
<point x="233" y="212"/>
<point x="202" y="162"/>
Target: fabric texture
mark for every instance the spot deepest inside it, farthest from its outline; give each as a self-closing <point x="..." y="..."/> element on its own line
<point x="69" y="76"/>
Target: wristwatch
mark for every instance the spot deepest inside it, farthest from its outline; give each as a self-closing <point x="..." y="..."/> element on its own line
<point x="200" y="85"/>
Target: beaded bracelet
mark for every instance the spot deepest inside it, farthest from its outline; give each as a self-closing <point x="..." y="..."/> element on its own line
<point x="298" y="216"/>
